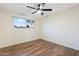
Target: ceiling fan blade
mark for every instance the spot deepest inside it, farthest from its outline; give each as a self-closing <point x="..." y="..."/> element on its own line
<point x="43" y="4"/>
<point x="34" y="12"/>
<point x="42" y="13"/>
<point x="31" y="7"/>
<point x="38" y="5"/>
<point x="46" y="9"/>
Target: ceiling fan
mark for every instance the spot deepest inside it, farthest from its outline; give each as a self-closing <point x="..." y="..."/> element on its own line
<point x="40" y="8"/>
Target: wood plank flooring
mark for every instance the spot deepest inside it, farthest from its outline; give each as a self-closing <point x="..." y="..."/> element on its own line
<point x="38" y="48"/>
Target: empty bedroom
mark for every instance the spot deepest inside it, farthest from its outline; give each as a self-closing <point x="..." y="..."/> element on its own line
<point x="39" y="29"/>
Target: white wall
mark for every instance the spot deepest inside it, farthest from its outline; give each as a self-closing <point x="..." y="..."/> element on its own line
<point x="62" y="28"/>
<point x="10" y="35"/>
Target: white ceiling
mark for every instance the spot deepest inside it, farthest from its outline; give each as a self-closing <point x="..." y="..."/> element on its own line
<point x="21" y="7"/>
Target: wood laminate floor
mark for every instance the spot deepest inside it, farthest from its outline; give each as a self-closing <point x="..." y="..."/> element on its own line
<point x="38" y="48"/>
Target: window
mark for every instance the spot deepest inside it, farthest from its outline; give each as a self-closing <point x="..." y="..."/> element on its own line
<point x="29" y="23"/>
<point x="22" y="23"/>
<point x="19" y="22"/>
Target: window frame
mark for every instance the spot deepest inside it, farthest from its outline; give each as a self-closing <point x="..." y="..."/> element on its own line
<point x="27" y="25"/>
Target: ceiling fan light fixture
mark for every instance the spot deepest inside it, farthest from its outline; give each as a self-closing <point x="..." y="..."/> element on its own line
<point x="39" y="11"/>
<point x="41" y="7"/>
